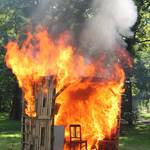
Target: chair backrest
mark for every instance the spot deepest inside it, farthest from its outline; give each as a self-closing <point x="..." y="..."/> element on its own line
<point x="75" y="132"/>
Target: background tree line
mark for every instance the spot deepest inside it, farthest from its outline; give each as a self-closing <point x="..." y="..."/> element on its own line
<point x="17" y="15"/>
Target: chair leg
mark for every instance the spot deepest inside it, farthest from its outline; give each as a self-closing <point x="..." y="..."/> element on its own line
<point x="80" y="146"/>
<point x="70" y="146"/>
<point x="86" y="145"/>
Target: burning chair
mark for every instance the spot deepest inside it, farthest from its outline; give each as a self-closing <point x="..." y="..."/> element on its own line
<point x="76" y="138"/>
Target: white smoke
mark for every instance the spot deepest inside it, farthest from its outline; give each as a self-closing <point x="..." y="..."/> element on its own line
<point x="45" y="10"/>
<point x="112" y="22"/>
<point x="105" y="30"/>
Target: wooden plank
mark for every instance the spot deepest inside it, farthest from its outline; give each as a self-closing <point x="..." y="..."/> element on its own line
<point x="32" y="130"/>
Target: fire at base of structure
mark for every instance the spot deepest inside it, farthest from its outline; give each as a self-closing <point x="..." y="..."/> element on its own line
<point x="39" y="133"/>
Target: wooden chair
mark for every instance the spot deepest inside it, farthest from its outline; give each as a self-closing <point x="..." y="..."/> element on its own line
<point x="76" y="137"/>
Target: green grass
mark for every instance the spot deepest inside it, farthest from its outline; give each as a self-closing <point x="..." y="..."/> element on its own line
<point x="137" y="137"/>
<point x="133" y="138"/>
<point x="144" y="116"/>
<point x="10" y="136"/>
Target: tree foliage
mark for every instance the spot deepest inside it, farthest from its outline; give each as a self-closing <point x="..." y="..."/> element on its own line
<point x="12" y="19"/>
<point x="141" y="49"/>
<point x="16" y="15"/>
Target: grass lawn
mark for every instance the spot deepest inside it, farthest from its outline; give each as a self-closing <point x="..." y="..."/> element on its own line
<point x="134" y="138"/>
<point x="137" y="137"/>
<point x="9" y="133"/>
<point x="144" y="116"/>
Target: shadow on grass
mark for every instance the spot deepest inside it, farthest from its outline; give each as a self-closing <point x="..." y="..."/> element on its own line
<point x="8" y="125"/>
<point x="135" y="138"/>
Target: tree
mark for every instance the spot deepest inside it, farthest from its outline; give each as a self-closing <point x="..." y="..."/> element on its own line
<point x="139" y="46"/>
<point x="13" y="18"/>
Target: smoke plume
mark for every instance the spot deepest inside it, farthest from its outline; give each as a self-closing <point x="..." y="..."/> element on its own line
<point x="104" y="29"/>
<point x="112" y="22"/>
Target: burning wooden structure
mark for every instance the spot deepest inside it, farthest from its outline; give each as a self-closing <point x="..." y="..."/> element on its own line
<point x="93" y="102"/>
<point x="38" y="130"/>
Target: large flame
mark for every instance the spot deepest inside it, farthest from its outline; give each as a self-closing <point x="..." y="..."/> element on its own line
<point x="40" y="55"/>
<point x="94" y="104"/>
<point x="92" y="99"/>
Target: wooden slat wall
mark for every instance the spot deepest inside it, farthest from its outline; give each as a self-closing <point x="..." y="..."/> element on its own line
<point x="31" y="127"/>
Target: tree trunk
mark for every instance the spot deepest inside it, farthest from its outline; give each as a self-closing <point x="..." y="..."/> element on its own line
<point x="129" y="104"/>
<point x="0" y="104"/>
<point x="15" y="113"/>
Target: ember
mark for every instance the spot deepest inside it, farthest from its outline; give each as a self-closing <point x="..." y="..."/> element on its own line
<point x="93" y="95"/>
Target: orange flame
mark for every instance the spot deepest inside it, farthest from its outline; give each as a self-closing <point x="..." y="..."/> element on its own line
<point x="39" y="56"/>
<point x="94" y="104"/>
<point x="92" y="100"/>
